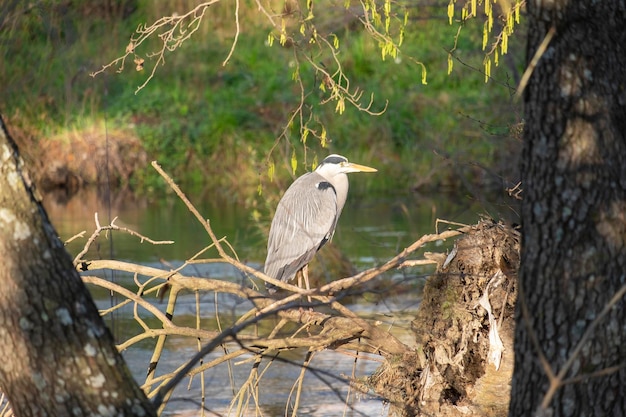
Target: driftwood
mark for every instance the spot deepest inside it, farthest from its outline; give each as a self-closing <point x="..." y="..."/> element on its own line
<point x="463" y="362"/>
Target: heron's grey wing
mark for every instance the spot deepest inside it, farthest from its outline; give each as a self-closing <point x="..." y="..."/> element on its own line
<point x="305" y="219"/>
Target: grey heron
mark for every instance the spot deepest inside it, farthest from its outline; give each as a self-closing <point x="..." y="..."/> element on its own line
<point x="306" y="218"/>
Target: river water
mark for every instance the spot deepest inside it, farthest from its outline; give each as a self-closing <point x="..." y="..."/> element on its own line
<point x="372" y="230"/>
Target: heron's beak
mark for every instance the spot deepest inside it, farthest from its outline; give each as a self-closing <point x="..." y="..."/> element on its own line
<point x="359" y="168"/>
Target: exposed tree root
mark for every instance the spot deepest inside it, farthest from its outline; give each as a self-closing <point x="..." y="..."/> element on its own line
<point x="450" y="372"/>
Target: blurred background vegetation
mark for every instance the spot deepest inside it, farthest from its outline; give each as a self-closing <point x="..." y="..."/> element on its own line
<point x="218" y="126"/>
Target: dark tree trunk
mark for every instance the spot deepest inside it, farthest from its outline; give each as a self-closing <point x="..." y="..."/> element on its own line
<point x="58" y="357"/>
<point x="574" y="229"/>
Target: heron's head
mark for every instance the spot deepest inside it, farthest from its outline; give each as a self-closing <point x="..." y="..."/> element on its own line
<point x="337" y="164"/>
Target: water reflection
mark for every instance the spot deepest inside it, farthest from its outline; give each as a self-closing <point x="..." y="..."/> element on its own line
<point x="372" y="230"/>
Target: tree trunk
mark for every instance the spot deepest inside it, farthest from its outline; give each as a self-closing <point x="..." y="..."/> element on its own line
<point x="570" y="348"/>
<point x="58" y="357"/>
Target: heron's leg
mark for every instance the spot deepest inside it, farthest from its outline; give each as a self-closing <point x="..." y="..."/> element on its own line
<point x="305" y="274"/>
<point x="299" y="276"/>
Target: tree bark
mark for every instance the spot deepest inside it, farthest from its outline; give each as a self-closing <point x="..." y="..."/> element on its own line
<point x="570" y="348"/>
<point x="58" y="357"/>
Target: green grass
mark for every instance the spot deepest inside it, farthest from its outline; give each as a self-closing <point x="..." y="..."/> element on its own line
<point x="195" y="110"/>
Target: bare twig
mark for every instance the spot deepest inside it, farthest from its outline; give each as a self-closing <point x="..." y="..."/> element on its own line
<point x="218" y="340"/>
<point x="533" y="62"/>
<point x="113" y="226"/>
<point x="236" y="38"/>
<point x="560" y="377"/>
<point x="478" y="70"/>
<point x="417" y="262"/>
<point x="516" y="191"/>
<point x="172" y="30"/>
<point x="130" y="295"/>
<point x="76" y="236"/>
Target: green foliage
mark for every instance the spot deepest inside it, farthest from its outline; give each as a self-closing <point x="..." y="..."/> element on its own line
<point x="196" y="110"/>
<point x="497" y="26"/>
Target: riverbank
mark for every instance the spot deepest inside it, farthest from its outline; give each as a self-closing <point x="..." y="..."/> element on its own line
<point x="228" y="127"/>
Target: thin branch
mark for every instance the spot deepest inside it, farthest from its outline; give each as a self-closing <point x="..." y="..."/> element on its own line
<point x="417" y="262"/>
<point x="178" y="29"/>
<point x="560" y="377"/>
<point x="218" y="340"/>
<point x="236" y="38"/>
<point x="526" y="318"/>
<point x="533" y="62"/>
<point x="99" y="229"/>
<point x="76" y="236"/>
<point x="478" y="70"/>
<point x="130" y="295"/>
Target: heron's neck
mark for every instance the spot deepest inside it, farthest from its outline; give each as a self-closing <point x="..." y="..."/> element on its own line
<point x="340" y="182"/>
